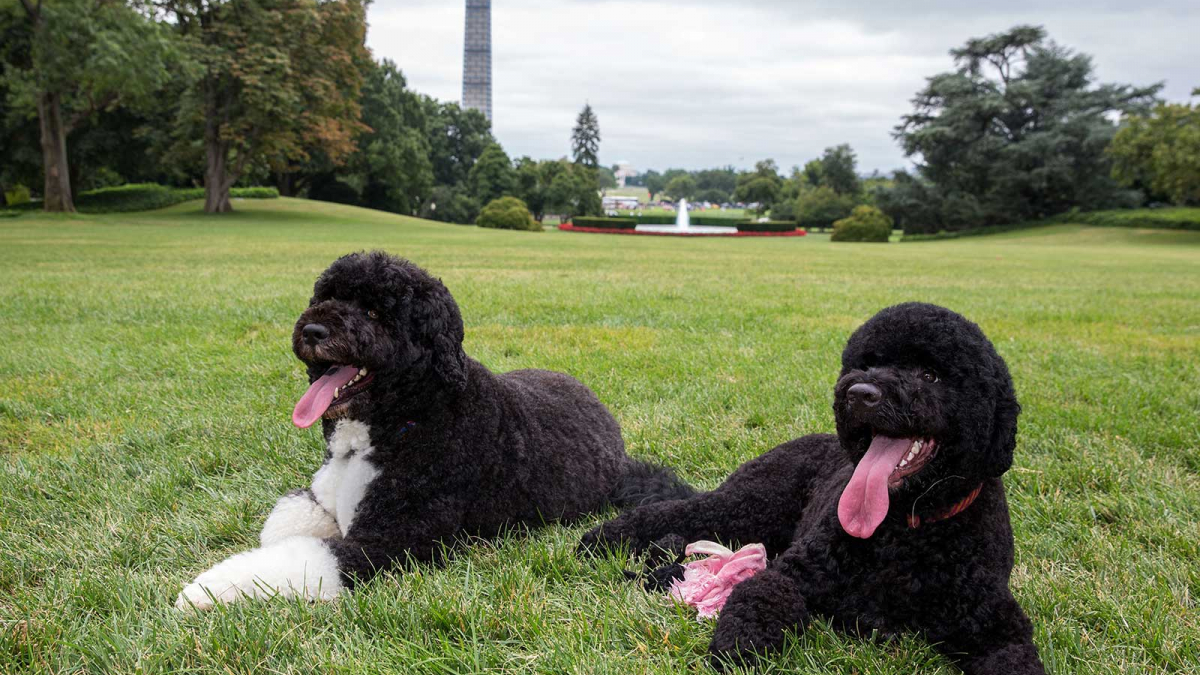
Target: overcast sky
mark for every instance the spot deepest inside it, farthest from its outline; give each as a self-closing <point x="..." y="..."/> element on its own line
<point x="715" y="82"/>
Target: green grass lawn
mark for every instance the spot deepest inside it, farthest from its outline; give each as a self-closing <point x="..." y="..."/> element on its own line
<point x="146" y="384"/>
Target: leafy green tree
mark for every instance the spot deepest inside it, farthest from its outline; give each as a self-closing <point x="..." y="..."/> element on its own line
<point x="492" y="176"/>
<point x="393" y="157"/>
<point x="1160" y="152"/>
<point x="280" y="79"/>
<point x="713" y="196"/>
<point x="681" y="187"/>
<point x="585" y="138"/>
<point x="813" y="172"/>
<point x="457" y="137"/>
<point x="1018" y="130"/>
<point x="607" y="178"/>
<point x="820" y="207"/>
<point x="450" y="204"/>
<point x="839" y="170"/>
<point x="531" y="184"/>
<point x="83" y="57"/>
<point x="761" y="186"/>
<point x="711" y="181"/>
<point x="572" y="191"/>
<point x="654" y="181"/>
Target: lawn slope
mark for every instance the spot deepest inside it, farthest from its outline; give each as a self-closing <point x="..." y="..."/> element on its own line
<point x="146" y="384"/>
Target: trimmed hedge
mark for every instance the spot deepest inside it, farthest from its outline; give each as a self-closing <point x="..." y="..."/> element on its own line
<point x="769" y="226"/>
<point x="507" y="213"/>
<point x="147" y="197"/>
<point x="655" y="219"/>
<point x="669" y="219"/>
<point x="621" y="223"/>
<point x="727" y="221"/>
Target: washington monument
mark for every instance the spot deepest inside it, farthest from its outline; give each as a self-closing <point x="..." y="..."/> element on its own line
<point x="477" y="57"/>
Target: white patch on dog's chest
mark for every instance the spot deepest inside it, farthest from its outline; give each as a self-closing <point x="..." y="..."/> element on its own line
<point x="340" y="484"/>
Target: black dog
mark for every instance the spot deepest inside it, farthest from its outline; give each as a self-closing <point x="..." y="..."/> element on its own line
<point x="424" y="444"/>
<point x="898" y="523"/>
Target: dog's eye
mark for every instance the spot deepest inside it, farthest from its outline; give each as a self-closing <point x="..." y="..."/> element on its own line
<point x="373" y="314"/>
<point x="929" y="376"/>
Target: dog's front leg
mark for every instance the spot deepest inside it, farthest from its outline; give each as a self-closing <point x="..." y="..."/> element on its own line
<point x="999" y="644"/>
<point x="757" y="617"/>
<point x="298" y="514"/>
<point x="297" y="566"/>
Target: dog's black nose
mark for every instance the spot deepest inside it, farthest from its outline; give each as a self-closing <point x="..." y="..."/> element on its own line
<point x="314" y="333"/>
<point x="864" y="396"/>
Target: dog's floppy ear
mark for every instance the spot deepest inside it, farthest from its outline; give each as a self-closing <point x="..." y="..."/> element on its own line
<point x="999" y="455"/>
<point x="437" y="318"/>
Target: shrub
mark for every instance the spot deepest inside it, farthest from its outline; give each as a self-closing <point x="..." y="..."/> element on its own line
<point x="19" y="194"/>
<point x="507" y="213"/>
<point x="149" y="196"/>
<point x="768" y="226"/>
<point x="866" y="223"/>
<point x="620" y="223"/>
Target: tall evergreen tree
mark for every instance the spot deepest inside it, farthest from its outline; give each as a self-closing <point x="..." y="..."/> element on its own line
<point x="585" y="138"/>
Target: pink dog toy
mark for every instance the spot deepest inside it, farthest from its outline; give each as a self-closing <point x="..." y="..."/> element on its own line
<point x="707" y="583"/>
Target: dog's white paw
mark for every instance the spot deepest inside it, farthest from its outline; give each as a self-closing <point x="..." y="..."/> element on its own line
<point x="299" y="566"/>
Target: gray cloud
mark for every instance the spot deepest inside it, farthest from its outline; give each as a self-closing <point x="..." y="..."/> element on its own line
<point x="708" y="82"/>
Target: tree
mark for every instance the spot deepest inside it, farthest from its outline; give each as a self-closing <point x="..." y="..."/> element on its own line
<point x="812" y="172"/>
<point x="760" y="186"/>
<point x="1160" y="152"/>
<point x="84" y="56"/>
<point x="450" y="204"/>
<point x="572" y="190"/>
<point x="492" y="176"/>
<point x="280" y="79"/>
<point x="820" y="207"/>
<point x="1018" y="129"/>
<point x="607" y="178"/>
<point x="713" y="181"/>
<point x="585" y="138"/>
<point x="393" y="157"/>
<point x="681" y="187"/>
<point x="457" y="137"/>
<point x="654" y="181"/>
<point x="839" y="170"/>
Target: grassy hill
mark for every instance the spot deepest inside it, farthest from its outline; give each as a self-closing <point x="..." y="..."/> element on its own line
<point x="146" y="384"/>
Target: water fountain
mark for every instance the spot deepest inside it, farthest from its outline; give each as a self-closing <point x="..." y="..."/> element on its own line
<point x="683" y="225"/>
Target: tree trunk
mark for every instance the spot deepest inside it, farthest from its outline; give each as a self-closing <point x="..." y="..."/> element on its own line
<point x="56" y="195"/>
<point x="216" y="173"/>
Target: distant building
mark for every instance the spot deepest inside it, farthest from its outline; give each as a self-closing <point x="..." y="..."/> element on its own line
<point x="624" y="170"/>
<point x="610" y="202"/>
<point x="477" y="57"/>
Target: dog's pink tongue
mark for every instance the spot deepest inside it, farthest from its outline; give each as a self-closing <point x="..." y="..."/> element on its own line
<point x="864" y="502"/>
<point x="316" y="400"/>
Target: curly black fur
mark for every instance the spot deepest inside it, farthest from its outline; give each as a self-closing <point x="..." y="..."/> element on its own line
<point x="940" y="378"/>
<point x="486" y="452"/>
